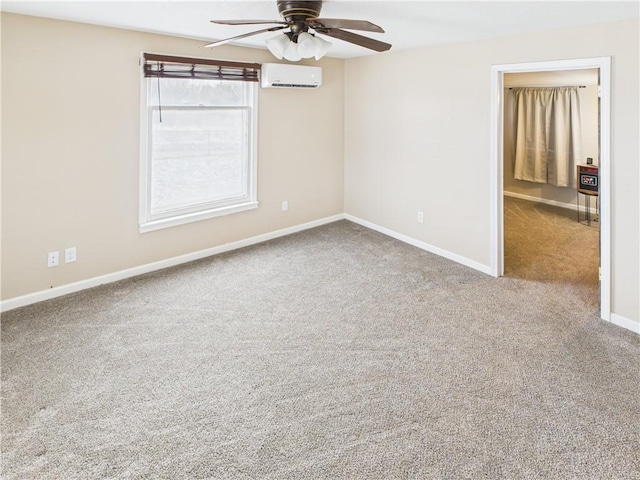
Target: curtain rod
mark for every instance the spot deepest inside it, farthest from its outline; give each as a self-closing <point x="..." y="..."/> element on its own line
<point x="547" y="86"/>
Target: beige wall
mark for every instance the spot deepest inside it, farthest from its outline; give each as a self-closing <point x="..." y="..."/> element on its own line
<point x="418" y="138"/>
<point x="70" y="153"/>
<point x="588" y="98"/>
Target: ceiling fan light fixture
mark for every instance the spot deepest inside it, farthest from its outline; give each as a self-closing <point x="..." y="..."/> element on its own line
<point x="278" y="45"/>
<point x="312" y="46"/>
<point x="306" y="45"/>
<point x="321" y="47"/>
<point x="291" y="53"/>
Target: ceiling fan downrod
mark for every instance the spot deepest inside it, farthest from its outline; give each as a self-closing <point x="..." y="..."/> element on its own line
<point x="296" y="14"/>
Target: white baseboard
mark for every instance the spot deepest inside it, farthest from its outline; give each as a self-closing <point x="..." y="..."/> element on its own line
<point x="555" y="203"/>
<point x="31" y="298"/>
<point x="422" y="245"/>
<point x="615" y="319"/>
<point x="627" y="323"/>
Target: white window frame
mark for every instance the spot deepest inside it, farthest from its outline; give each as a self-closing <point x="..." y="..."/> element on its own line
<point x="195" y="213"/>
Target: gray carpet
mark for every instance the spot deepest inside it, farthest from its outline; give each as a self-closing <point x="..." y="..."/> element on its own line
<point x="548" y="244"/>
<point x="333" y="353"/>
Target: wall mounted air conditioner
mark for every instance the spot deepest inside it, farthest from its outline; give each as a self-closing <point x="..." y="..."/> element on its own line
<point x="281" y="75"/>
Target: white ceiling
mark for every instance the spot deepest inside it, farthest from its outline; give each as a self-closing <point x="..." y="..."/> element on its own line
<point x="407" y="23"/>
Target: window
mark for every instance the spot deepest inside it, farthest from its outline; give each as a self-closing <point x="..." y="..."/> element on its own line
<point x="198" y="145"/>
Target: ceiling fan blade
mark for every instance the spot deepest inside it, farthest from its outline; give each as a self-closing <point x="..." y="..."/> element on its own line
<point x="365" y="42"/>
<point x="247" y="22"/>
<point x="244" y="35"/>
<point x="363" y="25"/>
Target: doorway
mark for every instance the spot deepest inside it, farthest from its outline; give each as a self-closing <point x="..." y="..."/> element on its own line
<point x="603" y="64"/>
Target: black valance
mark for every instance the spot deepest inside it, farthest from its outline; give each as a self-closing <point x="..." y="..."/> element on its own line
<point x="165" y="66"/>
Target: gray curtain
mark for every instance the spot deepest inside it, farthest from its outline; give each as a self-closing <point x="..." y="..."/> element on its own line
<point x="548" y="135"/>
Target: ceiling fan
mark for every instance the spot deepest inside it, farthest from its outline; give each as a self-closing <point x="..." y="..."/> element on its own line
<point x="298" y="42"/>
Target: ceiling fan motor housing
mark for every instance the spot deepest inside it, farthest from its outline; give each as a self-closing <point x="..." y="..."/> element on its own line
<point x="297" y="13"/>
<point x="293" y="11"/>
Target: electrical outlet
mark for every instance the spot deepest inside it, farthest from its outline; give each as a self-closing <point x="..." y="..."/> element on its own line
<point x="420" y="217"/>
<point x="70" y="255"/>
<point x="285" y="205"/>
<point x="53" y="259"/>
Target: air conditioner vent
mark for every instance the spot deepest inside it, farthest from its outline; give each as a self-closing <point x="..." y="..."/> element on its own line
<point x="292" y="85"/>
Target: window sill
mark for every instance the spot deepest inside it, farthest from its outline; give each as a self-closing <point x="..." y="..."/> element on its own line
<point x="195" y="217"/>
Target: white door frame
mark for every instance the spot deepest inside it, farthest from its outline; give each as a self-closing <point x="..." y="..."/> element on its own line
<point x="497" y="163"/>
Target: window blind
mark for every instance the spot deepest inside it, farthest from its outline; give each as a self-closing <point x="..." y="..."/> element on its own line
<point x="165" y="66"/>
